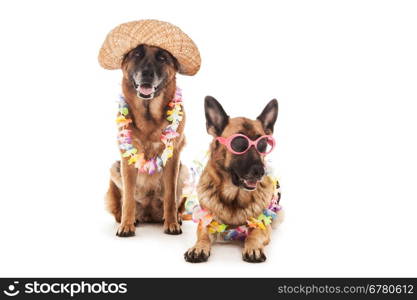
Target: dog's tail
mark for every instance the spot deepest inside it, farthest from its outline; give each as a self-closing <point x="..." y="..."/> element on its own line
<point x="113" y="195"/>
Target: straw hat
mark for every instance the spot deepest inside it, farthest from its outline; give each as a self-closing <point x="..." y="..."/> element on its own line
<point x="128" y="36"/>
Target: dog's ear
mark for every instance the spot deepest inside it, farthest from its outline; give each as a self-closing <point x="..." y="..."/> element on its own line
<point x="125" y="59"/>
<point x="216" y="117"/>
<point x="268" y="116"/>
<point x="173" y="59"/>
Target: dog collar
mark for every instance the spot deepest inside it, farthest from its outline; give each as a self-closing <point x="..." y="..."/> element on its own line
<point x="204" y="217"/>
<point x="169" y="133"/>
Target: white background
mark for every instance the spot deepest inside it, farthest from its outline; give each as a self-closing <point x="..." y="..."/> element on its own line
<point x="345" y="75"/>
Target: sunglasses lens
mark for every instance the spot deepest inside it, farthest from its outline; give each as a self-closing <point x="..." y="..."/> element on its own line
<point x="239" y="144"/>
<point x="265" y="145"/>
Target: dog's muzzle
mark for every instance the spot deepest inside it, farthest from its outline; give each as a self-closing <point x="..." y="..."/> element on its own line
<point x="145" y="91"/>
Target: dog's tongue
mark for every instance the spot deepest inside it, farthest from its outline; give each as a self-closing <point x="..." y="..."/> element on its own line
<point x="251" y="183"/>
<point x="145" y="90"/>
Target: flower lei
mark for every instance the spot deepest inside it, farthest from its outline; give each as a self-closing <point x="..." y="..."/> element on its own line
<point x="169" y="133"/>
<point x="203" y="216"/>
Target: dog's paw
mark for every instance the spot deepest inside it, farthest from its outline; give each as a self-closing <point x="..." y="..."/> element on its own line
<point x="196" y="255"/>
<point x="126" y="230"/>
<point x="253" y="255"/>
<point x="172" y="228"/>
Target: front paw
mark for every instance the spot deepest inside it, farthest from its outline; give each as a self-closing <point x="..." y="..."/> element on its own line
<point x="126" y="230"/>
<point x="197" y="254"/>
<point x="172" y="228"/>
<point x="253" y="255"/>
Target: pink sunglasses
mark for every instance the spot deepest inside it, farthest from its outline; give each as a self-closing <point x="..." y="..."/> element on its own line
<point x="240" y="144"/>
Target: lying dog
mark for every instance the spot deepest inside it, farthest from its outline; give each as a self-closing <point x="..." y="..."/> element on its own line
<point x="146" y="195"/>
<point x="233" y="188"/>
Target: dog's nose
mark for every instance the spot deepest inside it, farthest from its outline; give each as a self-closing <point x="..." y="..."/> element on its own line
<point x="147" y="74"/>
<point x="257" y="171"/>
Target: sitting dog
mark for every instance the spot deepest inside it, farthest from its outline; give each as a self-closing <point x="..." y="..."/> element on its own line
<point x="147" y="183"/>
<point x="237" y="200"/>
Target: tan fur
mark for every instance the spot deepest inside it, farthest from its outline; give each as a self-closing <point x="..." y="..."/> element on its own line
<point x="216" y="192"/>
<point x="201" y="249"/>
<point x="113" y="201"/>
<point x="255" y="243"/>
<point x="142" y="197"/>
<point x="228" y="203"/>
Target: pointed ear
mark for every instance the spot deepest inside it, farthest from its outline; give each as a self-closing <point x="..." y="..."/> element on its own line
<point x="269" y="116"/>
<point x="216" y="117"/>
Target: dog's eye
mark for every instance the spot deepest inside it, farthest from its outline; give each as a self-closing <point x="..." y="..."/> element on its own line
<point x="138" y="53"/>
<point x="239" y="144"/>
<point x="262" y="145"/>
<point x="161" y="58"/>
